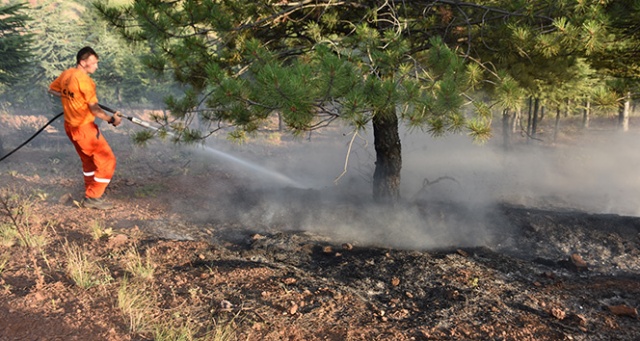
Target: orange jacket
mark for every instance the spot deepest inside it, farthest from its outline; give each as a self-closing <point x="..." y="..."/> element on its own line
<point x="77" y="91"/>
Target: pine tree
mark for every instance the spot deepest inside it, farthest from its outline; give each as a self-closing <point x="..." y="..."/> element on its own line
<point x="367" y="62"/>
<point x="14" y="43"/>
<point x="619" y="62"/>
<point x="585" y="51"/>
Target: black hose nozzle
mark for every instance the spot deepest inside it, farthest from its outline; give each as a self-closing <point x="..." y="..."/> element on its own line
<point x="106" y="108"/>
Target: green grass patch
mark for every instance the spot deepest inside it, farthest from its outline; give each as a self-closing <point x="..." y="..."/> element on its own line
<point x="149" y="191"/>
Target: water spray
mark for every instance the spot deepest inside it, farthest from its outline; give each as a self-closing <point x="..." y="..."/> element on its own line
<point x="217" y="153"/>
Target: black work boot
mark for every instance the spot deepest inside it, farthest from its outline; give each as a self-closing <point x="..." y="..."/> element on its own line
<point x="96" y="203"/>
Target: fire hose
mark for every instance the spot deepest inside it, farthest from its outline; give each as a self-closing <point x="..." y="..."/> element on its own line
<point x="132" y="119"/>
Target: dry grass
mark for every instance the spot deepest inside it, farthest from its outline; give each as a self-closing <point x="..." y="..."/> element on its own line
<point x="137" y="306"/>
<point x="16" y="211"/>
<point x="168" y="332"/>
<point x="99" y="230"/>
<point x="138" y="266"/>
<point x="223" y="331"/>
<point x="82" y="271"/>
<point x="4" y="259"/>
<point x="8" y="235"/>
<point x="17" y="208"/>
<point x="33" y="240"/>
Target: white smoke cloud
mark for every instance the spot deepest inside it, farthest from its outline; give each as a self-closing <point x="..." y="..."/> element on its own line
<point x="594" y="175"/>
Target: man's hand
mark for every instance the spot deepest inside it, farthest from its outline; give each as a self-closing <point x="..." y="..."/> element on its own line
<point x="116" y="119"/>
<point x="55" y="93"/>
<point x="101" y="114"/>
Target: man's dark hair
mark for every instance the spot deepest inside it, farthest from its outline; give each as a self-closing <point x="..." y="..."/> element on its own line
<point x="85" y="53"/>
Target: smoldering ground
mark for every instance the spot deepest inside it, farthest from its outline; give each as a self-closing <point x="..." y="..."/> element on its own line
<point x="536" y="200"/>
<point x="452" y="188"/>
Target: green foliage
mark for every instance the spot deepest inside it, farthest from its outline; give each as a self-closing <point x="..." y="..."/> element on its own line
<point x="142" y="137"/>
<point x="479" y="126"/>
<point x="54" y="47"/>
<point x="562" y="53"/>
<point x="617" y="61"/>
<point x="310" y="65"/>
<point x="149" y="191"/>
<point x="99" y="230"/>
<point x="508" y="92"/>
<point x="15" y="43"/>
<point x="605" y="98"/>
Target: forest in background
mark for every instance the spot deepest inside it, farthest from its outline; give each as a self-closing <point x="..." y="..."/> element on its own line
<point x="57" y="29"/>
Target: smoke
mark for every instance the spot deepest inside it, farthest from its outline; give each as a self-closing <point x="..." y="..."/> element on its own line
<point x="450" y="186"/>
<point x="595" y="173"/>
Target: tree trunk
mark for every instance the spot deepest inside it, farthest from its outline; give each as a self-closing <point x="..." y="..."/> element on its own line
<point x="586" y="115"/>
<point x="623" y="115"/>
<point x="386" y="178"/>
<point x="534" y="119"/>
<point x="281" y="123"/>
<point x="506" y="133"/>
<point x="529" y="115"/>
<point x="515" y="120"/>
<point x="119" y="95"/>
<point x="557" y="125"/>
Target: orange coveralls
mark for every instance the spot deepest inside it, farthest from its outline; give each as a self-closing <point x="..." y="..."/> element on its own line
<point x="78" y="91"/>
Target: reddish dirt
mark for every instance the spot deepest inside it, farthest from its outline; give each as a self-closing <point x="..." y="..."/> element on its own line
<point x="250" y="272"/>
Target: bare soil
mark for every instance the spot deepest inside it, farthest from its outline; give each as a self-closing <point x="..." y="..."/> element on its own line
<point x="235" y="259"/>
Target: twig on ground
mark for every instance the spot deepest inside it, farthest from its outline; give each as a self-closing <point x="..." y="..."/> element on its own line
<point x="426" y="183"/>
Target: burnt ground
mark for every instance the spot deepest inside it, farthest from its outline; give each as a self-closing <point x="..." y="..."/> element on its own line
<point x="235" y="259"/>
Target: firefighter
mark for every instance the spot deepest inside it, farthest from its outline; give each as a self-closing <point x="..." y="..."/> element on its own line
<point x="77" y="92"/>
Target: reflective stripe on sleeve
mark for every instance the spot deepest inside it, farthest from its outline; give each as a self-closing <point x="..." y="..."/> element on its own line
<point x="89" y="173"/>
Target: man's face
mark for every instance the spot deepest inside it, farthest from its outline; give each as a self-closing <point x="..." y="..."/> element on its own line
<point x="90" y="64"/>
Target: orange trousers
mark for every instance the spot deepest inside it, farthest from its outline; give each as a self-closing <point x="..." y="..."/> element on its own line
<point x="98" y="160"/>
